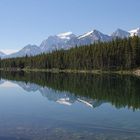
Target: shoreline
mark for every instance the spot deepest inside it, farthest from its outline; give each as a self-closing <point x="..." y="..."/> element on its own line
<point x="135" y="72"/>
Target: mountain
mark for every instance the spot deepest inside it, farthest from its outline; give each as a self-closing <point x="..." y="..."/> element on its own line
<point x="120" y="34"/>
<point x="92" y="37"/>
<point x="68" y="40"/>
<point x="135" y="32"/>
<point x="2" y="54"/>
<point x="30" y="50"/>
<point x="66" y="36"/>
<point x="56" y="42"/>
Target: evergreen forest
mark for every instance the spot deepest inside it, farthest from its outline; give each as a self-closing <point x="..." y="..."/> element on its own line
<point x="118" y="54"/>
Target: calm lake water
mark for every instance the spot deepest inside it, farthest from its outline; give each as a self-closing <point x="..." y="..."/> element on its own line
<point x="45" y="106"/>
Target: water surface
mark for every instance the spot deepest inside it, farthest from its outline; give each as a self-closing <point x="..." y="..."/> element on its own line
<point x="41" y="106"/>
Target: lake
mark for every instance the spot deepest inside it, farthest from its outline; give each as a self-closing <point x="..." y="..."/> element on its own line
<point x="42" y="106"/>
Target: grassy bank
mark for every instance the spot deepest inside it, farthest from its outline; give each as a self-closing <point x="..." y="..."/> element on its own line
<point x="124" y="72"/>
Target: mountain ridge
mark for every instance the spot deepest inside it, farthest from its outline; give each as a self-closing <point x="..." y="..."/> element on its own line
<point x="68" y="40"/>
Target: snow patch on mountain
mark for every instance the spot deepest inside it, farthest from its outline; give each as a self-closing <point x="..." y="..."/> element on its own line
<point x="66" y="35"/>
<point x="56" y="42"/>
<point x="135" y="32"/>
<point x="85" y="35"/>
<point x="92" y="37"/>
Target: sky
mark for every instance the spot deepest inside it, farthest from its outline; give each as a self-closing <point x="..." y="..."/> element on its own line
<point x="25" y="22"/>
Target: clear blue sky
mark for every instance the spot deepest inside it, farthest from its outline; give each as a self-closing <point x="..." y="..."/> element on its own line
<point x="31" y="21"/>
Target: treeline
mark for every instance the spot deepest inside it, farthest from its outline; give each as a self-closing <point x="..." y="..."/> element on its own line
<point x="119" y="90"/>
<point x="116" y="54"/>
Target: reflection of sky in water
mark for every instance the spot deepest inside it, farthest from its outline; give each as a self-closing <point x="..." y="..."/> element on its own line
<point x="29" y="106"/>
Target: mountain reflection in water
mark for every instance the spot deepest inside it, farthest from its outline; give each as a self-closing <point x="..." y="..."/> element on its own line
<point x="91" y="90"/>
<point x="42" y="106"/>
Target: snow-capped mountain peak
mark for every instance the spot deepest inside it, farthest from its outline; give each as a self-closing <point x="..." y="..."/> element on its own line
<point x="90" y="33"/>
<point x="66" y="35"/>
<point x="85" y="35"/>
<point x="56" y="42"/>
<point x="95" y="35"/>
<point x="135" y="32"/>
<point x="92" y="37"/>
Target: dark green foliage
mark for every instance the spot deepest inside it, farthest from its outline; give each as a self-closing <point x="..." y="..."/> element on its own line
<point x="115" y="55"/>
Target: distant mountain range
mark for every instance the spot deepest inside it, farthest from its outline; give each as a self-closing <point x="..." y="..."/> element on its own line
<point x="68" y="40"/>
